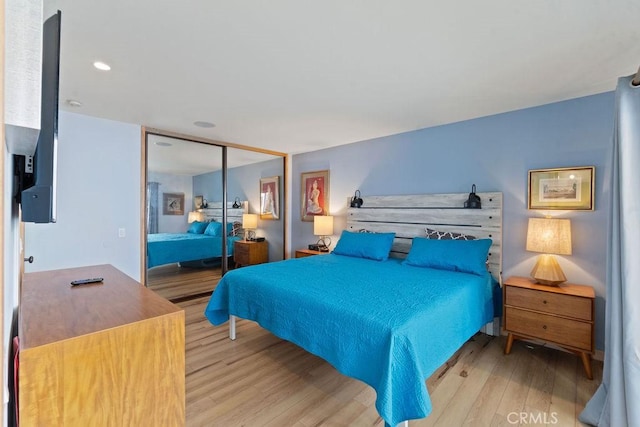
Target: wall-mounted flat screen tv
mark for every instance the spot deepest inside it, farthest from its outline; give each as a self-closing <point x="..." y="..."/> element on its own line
<point x="37" y="175"/>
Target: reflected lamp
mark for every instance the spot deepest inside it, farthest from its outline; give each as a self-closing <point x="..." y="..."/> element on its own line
<point x="249" y="223"/>
<point x="323" y="227"/>
<point x="549" y="236"/>
<point x="195" y="216"/>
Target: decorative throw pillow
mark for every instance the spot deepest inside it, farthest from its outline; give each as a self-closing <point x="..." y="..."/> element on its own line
<point x="197" y="227"/>
<point x="214" y="229"/>
<point x="235" y="229"/>
<point x="447" y="235"/>
<point x="374" y="246"/>
<point x="468" y="256"/>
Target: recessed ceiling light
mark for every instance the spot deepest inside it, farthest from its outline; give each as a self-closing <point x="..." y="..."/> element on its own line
<point x="163" y="144"/>
<point x="74" y="103"/>
<point x="101" y="66"/>
<point x="203" y="124"/>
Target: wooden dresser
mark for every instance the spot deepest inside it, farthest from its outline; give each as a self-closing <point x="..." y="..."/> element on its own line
<point x="562" y="315"/>
<point x="250" y="252"/>
<point x="102" y="354"/>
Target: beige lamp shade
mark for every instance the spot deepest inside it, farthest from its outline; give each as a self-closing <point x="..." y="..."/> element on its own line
<point x="549" y="236"/>
<point x="194" y="216"/>
<point x="323" y="225"/>
<point x="250" y="221"/>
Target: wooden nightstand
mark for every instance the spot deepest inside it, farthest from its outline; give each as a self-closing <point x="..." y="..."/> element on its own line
<point x="562" y="315"/>
<point x="301" y="253"/>
<point x="250" y="253"/>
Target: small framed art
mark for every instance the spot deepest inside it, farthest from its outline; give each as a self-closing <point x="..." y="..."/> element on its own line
<point x="562" y="188"/>
<point x="315" y="194"/>
<point x="270" y="198"/>
<point x="173" y="203"/>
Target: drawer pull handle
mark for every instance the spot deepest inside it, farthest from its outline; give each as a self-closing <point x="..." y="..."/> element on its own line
<point x="544" y="327"/>
<point x="544" y="301"/>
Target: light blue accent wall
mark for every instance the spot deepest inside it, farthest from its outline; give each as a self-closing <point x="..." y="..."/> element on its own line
<point x="244" y="182"/>
<point x="98" y="193"/>
<point x="209" y="186"/>
<point x="495" y="153"/>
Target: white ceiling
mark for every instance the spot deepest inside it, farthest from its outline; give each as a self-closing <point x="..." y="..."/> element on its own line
<point x="180" y="157"/>
<point x="296" y="76"/>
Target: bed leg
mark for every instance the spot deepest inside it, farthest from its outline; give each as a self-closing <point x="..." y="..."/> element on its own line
<point x="232" y="327"/>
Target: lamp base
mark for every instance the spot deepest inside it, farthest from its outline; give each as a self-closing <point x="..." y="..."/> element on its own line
<point x="547" y="271"/>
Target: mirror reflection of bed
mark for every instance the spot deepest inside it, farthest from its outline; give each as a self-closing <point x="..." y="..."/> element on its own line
<point x="187" y="264"/>
<point x="184" y="193"/>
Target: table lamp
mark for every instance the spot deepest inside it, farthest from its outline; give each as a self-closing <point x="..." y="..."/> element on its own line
<point x="249" y="223"/>
<point x="549" y="236"/>
<point x="323" y="227"/>
<point x="195" y="216"/>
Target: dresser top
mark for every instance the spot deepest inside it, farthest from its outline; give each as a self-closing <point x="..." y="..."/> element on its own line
<point x="564" y="288"/>
<point x="52" y="310"/>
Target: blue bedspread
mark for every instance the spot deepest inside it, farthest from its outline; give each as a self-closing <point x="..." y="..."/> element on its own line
<point x="165" y="248"/>
<point x="384" y="323"/>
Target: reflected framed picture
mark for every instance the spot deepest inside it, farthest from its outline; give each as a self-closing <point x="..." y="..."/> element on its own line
<point x="173" y="203"/>
<point x="270" y="198"/>
<point x="315" y="194"/>
<point x="197" y="202"/>
<point x="562" y="188"/>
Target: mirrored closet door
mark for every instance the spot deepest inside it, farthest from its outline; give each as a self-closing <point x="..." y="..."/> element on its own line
<point x="196" y="196"/>
<point x="258" y="179"/>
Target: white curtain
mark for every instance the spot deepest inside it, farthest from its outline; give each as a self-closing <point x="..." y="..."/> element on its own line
<point x="152" y="207"/>
<point x="616" y="403"/>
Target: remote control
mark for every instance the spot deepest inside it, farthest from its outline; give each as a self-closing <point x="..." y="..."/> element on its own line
<point x="86" y="281"/>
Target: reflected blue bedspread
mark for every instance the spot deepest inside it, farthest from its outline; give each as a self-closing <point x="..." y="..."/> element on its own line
<point x="384" y="323"/>
<point x="165" y="248"/>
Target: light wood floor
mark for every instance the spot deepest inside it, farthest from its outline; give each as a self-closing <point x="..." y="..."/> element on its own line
<point x="260" y="380"/>
<point x="174" y="282"/>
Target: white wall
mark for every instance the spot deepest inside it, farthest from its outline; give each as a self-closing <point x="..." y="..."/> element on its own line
<point x="11" y="269"/>
<point x="98" y="194"/>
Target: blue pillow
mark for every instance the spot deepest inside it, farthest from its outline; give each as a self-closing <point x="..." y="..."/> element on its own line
<point x="214" y="229"/>
<point x="197" y="227"/>
<point x="365" y="245"/>
<point x="468" y="256"/>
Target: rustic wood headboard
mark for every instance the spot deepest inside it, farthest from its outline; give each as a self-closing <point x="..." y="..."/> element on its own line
<point x="214" y="212"/>
<point x="409" y="216"/>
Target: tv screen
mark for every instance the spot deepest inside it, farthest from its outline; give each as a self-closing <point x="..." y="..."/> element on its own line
<point x="39" y="200"/>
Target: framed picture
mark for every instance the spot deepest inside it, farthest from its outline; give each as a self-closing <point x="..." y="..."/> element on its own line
<point x="197" y="202"/>
<point x="270" y="198"/>
<point x="563" y="188"/>
<point x="173" y="203"/>
<point x="315" y="194"/>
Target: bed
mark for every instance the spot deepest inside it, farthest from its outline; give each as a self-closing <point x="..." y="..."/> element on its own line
<point x="198" y="247"/>
<point x="389" y="322"/>
<point x="166" y="248"/>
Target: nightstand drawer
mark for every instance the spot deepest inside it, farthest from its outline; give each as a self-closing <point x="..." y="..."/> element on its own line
<point x="250" y="252"/>
<point x="567" y="332"/>
<point x="241" y="251"/>
<point x="547" y="302"/>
